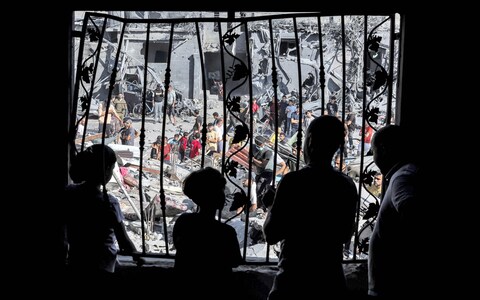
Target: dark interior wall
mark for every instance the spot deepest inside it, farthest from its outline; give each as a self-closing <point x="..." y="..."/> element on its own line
<point x="419" y="90"/>
<point x="213" y="70"/>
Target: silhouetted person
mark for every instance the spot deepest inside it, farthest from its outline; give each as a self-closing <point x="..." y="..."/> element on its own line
<point x="263" y="160"/>
<point x="307" y="271"/>
<point x="207" y="249"/>
<point x="398" y="245"/>
<point x="93" y="219"/>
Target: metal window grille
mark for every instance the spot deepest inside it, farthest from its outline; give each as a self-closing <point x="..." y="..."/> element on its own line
<point x="220" y="62"/>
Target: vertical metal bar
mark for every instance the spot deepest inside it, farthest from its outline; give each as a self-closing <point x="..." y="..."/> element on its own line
<point x="167" y="83"/>
<point x="400" y="61"/>
<point x="142" y="138"/>
<point x="70" y="118"/>
<point x="275" y="94"/>
<point x="322" y="67"/>
<point x="92" y="84"/>
<point x="364" y="111"/>
<point x="276" y="105"/>
<point x="342" y="148"/>
<point x="275" y="110"/>
<point x="391" y="69"/>
<point x="300" y="100"/>
<point x="107" y="105"/>
<point x="73" y="112"/>
<point x="250" y="103"/>
<point x="222" y="60"/>
<point x="204" y="87"/>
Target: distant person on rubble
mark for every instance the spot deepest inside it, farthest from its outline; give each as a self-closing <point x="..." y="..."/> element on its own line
<point x="330" y="217"/>
<point x="156" y="149"/>
<point x="207" y="249"/>
<point x="308" y="84"/>
<point x="197" y="126"/>
<point x="158" y="103"/>
<point x="93" y="219"/>
<point x="128" y="133"/>
<point x="112" y="120"/>
<point x="120" y="105"/>
<point x="171" y="103"/>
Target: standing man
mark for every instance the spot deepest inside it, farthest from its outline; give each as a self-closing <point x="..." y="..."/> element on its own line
<point x="219" y="130"/>
<point x="157" y="103"/>
<point x="282" y="114"/>
<point x="171" y="102"/>
<point x="332" y="106"/>
<point x="291" y="108"/>
<point x="120" y="105"/>
<point x="397" y="251"/>
<point x="331" y="211"/>
<point x="263" y="167"/>
<point x="294" y="121"/>
<point x="308" y="118"/>
<point x="350" y="121"/>
<point x="127" y="133"/>
<point x="111" y="119"/>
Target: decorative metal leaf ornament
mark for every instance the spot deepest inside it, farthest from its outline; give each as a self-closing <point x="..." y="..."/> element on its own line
<point x="374" y="42"/>
<point x="240" y="72"/>
<point x="86" y="72"/>
<point x="372" y="115"/>
<point x="230" y="37"/>
<point x="239" y="199"/>
<point x="234" y="104"/>
<point x="84" y="102"/>
<point x="231" y="168"/>
<point x="241" y="133"/>
<point x="368" y="176"/>
<point x="93" y="34"/>
<point x="372" y="211"/>
<point x="381" y="78"/>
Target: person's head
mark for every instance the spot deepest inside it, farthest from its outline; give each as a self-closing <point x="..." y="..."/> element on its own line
<point x="159" y="140"/>
<point x="176" y="136"/>
<point x="127" y="122"/>
<point x="284" y="98"/>
<point x="324" y="136"/>
<point x="377" y="179"/>
<point x="196" y="112"/>
<point x="185" y="134"/>
<point x="94" y="165"/>
<point x="338" y="161"/>
<point x="260" y="141"/>
<point x="281" y="136"/>
<point x="333" y="98"/>
<point x="210" y="126"/>
<point x="389" y="147"/>
<point x="215" y="115"/>
<point x="211" y="198"/>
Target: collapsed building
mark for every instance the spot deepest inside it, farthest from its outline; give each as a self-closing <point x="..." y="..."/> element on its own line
<point x="208" y="63"/>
